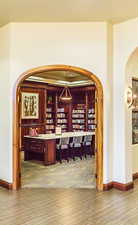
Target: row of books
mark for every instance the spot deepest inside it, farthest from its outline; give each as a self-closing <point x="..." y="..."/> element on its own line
<point x="91" y="110"/>
<point x="62" y="121"/>
<point x="48" y="115"/>
<point x="91" y="127"/>
<point x="91" y="121"/>
<point x="60" y="110"/>
<point x="73" y="111"/>
<point x="78" y="111"/>
<point x="61" y="115"/>
<point x="77" y="115"/>
<point x="48" y="109"/>
<point x="63" y="126"/>
<point x="91" y="116"/>
<point x="78" y="121"/>
<point x="74" y="130"/>
<point x="77" y="126"/>
<point x="49" y="121"/>
<point x="48" y="127"/>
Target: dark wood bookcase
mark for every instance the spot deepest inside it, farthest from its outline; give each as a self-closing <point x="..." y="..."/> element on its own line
<point x="50" y="112"/>
<point x="79" y="115"/>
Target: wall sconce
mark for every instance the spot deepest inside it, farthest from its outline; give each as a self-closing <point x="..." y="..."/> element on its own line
<point x="130" y="97"/>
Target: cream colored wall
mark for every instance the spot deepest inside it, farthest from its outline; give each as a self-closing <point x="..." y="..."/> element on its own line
<point x="5" y="148"/>
<point x="77" y="44"/>
<point x="108" y="155"/>
<point x="125" y="42"/>
<point x="86" y="45"/>
<point x="132" y="71"/>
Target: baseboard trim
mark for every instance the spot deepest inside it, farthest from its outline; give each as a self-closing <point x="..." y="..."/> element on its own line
<point x="135" y="176"/>
<point x="5" y="184"/>
<point x="108" y="186"/>
<point x="123" y="187"/>
<point x="119" y="186"/>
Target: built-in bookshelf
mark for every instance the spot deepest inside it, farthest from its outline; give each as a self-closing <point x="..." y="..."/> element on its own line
<point x="78" y="119"/>
<point x="79" y="115"/>
<point x="50" y="116"/>
<point x="62" y="118"/>
<point x="91" y="123"/>
<point x="74" y="116"/>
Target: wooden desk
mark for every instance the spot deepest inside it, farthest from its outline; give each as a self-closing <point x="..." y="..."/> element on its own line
<point x="43" y="147"/>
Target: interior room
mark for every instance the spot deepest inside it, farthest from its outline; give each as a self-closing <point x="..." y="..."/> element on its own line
<point x="58" y="127"/>
<point x="69" y="112"/>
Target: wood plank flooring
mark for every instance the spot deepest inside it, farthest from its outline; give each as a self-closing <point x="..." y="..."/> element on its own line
<point x="32" y="206"/>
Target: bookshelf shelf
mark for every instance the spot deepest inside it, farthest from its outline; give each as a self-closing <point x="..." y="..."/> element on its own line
<point x="79" y="115"/>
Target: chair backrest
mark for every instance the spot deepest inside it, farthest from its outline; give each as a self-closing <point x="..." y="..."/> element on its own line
<point x="88" y="138"/>
<point x="64" y="141"/>
<point x="77" y="140"/>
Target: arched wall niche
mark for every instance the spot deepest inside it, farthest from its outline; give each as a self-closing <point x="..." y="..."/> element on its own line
<point x="131" y="71"/>
<point x="132" y="63"/>
<point x="16" y="120"/>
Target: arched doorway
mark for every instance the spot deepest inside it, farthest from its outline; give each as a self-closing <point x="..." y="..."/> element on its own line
<point x="131" y="114"/>
<point x="99" y="113"/>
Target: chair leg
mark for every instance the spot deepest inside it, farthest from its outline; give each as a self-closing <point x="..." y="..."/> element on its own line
<point x="80" y="155"/>
<point x="67" y="155"/>
<point x="73" y="154"/>
<point x="83" y="154"/>
<point x="60" y="156"/>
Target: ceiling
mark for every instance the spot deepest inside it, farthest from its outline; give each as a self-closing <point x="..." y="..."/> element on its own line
<point x="61" y="78"/>
<point x="67" y="10"/>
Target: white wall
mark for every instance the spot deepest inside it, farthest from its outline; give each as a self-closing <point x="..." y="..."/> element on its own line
<point x="86" y="45"/>
<point x="77" y="44"/>
<point x="132" y="71"/>
<point x="125" y="42"/>
<point x="5" y="148"/>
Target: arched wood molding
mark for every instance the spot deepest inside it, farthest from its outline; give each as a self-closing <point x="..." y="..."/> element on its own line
<point x="16" y="120"/>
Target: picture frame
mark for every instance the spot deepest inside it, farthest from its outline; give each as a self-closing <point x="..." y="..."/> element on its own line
<point x="29" y="105"/>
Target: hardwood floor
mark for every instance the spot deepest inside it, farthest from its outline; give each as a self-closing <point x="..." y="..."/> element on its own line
<point x="68" y="207"/>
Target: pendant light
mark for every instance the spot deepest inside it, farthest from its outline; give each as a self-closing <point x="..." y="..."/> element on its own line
<point x="65" y="95"/>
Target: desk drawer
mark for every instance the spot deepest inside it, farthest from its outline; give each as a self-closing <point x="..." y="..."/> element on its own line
<point x="36" y="146"/>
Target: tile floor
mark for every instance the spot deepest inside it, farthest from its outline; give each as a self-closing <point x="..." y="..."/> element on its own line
<point x="75" y="174"/>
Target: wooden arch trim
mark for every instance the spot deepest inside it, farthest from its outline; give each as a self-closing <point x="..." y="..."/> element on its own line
<point x="16" y="119"/>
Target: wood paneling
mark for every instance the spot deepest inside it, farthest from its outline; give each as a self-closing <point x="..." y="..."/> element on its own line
<point x="43" y="150"/>
<point x="5" y="184"/>
<point x="123" y="187"/>
<point x="108" y="186"/>
<point x="50" y="149"/>
<point x="119" y="186"/>
<point x="26" y="124"/>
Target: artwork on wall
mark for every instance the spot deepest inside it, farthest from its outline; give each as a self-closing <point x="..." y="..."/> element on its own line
<point x="135" y="111"/>
<point x="135" y="92"/>
<point x="30" y="105"/>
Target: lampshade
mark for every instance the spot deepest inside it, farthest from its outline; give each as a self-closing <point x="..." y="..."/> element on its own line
<point x="130" y="97"/>
<point x="65" y="95"/>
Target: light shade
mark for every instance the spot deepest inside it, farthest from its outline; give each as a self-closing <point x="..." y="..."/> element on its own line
<point x="65" y="95"/>
<point x="130" y="97"/>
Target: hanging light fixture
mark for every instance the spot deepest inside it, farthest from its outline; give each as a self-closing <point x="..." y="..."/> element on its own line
<point x="65" y="95"/>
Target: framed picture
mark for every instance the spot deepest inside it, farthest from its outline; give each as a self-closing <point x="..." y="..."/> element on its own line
<point x="30" y="105"/>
